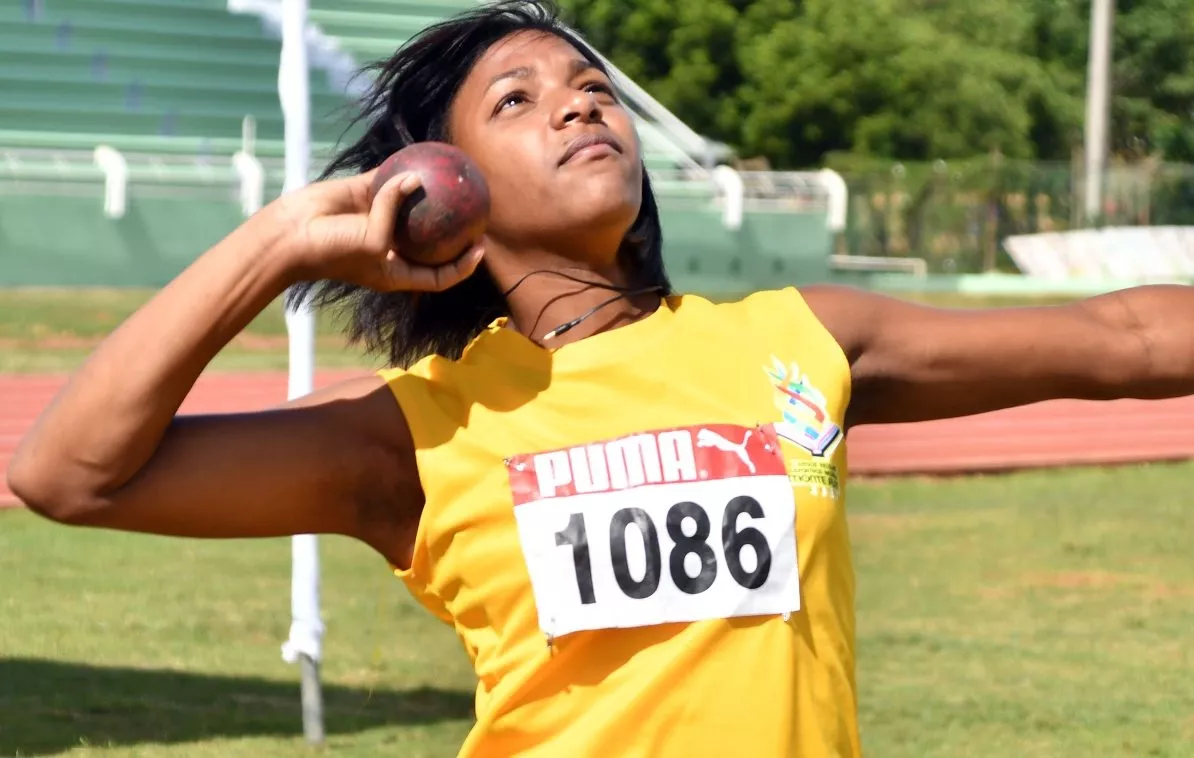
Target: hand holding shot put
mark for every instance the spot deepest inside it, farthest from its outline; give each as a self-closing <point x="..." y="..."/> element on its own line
<point x="359" y="230"/>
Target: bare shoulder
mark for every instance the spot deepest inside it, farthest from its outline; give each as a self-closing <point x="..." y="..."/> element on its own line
<point x="849" y="314"/>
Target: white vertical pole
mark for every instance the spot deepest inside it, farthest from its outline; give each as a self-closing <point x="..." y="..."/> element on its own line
<point x="1098" y="105"/>
<point x="306" y="627"/>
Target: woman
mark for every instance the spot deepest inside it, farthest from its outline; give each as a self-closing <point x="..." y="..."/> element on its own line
<point x="636" y="524"/>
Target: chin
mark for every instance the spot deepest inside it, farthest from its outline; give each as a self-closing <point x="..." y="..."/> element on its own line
<point x="608" y="197"/>
<point x="607" y="211"/>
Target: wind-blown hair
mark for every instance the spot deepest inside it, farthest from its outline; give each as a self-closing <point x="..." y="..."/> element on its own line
<point x="408" y="102"/>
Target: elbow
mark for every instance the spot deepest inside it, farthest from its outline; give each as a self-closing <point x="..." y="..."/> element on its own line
<point x="1141" y="354"/>
<point x="47" y="495"/>
<point x="1143" y="366"/>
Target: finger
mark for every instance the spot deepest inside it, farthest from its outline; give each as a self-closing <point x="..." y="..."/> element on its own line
<point x="346" y="194"/>
<point x="364" y="186"/>
<point x="383" y="213"/>
<point x="438" y="278"/>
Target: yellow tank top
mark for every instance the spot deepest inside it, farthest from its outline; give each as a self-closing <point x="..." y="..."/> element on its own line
<point x="609" y="529"/>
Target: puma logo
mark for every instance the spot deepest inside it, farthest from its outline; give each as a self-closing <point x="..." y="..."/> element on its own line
<point x="709" y="438"/>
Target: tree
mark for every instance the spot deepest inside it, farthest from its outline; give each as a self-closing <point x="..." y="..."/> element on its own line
<point x="682" y="52"/>
<point x="903" y="79"/>
<point x="1153" y="79"/>
<point x="881" y="78"/>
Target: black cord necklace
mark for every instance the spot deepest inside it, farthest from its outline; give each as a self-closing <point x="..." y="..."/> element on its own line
<point x="622" y="292"/>
<point x="569" y="325"/>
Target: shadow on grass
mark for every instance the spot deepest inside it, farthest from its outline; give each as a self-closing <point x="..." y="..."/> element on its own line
<point x="47" y="707"/>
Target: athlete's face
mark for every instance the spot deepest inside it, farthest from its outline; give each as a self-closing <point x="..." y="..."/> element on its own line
<point x="556" y="145"/>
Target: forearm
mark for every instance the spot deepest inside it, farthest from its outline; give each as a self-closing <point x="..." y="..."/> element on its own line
<point x="915" y="363"/>
<point x="112" y="414"/>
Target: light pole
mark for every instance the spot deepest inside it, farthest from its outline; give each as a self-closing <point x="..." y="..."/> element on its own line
<point x="1098" y="106"/>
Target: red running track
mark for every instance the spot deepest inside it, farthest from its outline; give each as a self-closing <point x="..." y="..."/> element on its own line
<point x="1057" y="433"/>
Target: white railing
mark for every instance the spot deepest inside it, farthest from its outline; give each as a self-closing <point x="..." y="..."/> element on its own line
<point x="112" y="175"/>
<point x="875" y="263"/>
<point x="116" y="180"/>
<point x="784" y="189"/>
<point x="253" y="180"/>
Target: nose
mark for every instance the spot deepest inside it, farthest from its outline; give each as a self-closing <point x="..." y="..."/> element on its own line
<point x="577" y="107"/>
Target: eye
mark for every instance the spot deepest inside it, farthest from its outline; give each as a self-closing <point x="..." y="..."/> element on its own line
<point x="600" y="87"/>
<point x="510" y="100"/>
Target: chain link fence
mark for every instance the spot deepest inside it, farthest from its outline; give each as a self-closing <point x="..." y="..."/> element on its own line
<point x="954" y="215"/>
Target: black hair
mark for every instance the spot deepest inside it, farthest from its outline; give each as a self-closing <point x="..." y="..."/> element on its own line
<point x="408" y="102"/>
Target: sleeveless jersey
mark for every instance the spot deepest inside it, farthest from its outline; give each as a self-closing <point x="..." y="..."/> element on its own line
<point x="639" y="537"/>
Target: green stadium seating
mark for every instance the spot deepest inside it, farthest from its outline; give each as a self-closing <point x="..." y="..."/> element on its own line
<point x="170" y="84"/>
<point x="346" y="24"/>
<point x="136" y="95"/>
<point x="26" y="36"/>
<point x="183" y="68"/>
<point x="198" y="147"/>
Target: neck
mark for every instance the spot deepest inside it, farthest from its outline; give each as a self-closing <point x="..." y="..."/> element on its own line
<point x="545" y="300"/>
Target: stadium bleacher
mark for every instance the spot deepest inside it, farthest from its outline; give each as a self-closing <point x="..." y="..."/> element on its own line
<point x="136" y="74"/>
<point x="177" y="88"/>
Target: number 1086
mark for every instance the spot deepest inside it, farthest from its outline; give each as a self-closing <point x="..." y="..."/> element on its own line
<point x="733" y="540"/>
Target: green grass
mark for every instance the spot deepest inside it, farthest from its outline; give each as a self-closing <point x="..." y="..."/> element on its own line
<point x="1041" y="614"/>
<point x="1038" y="614"/>
<point x="126" y="645"/>
<point x="53" y="330"/>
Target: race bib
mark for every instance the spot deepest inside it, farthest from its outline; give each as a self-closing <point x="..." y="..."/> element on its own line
<point x="658" y="527"/>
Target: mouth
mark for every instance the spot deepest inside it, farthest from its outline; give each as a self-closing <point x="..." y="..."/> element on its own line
<point x="591" y="144"/>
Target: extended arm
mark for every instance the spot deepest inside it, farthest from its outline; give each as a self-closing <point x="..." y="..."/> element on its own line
<point x="911" y="362"/>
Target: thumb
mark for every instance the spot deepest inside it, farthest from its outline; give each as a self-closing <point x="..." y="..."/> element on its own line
<point x="383" y="210"/>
